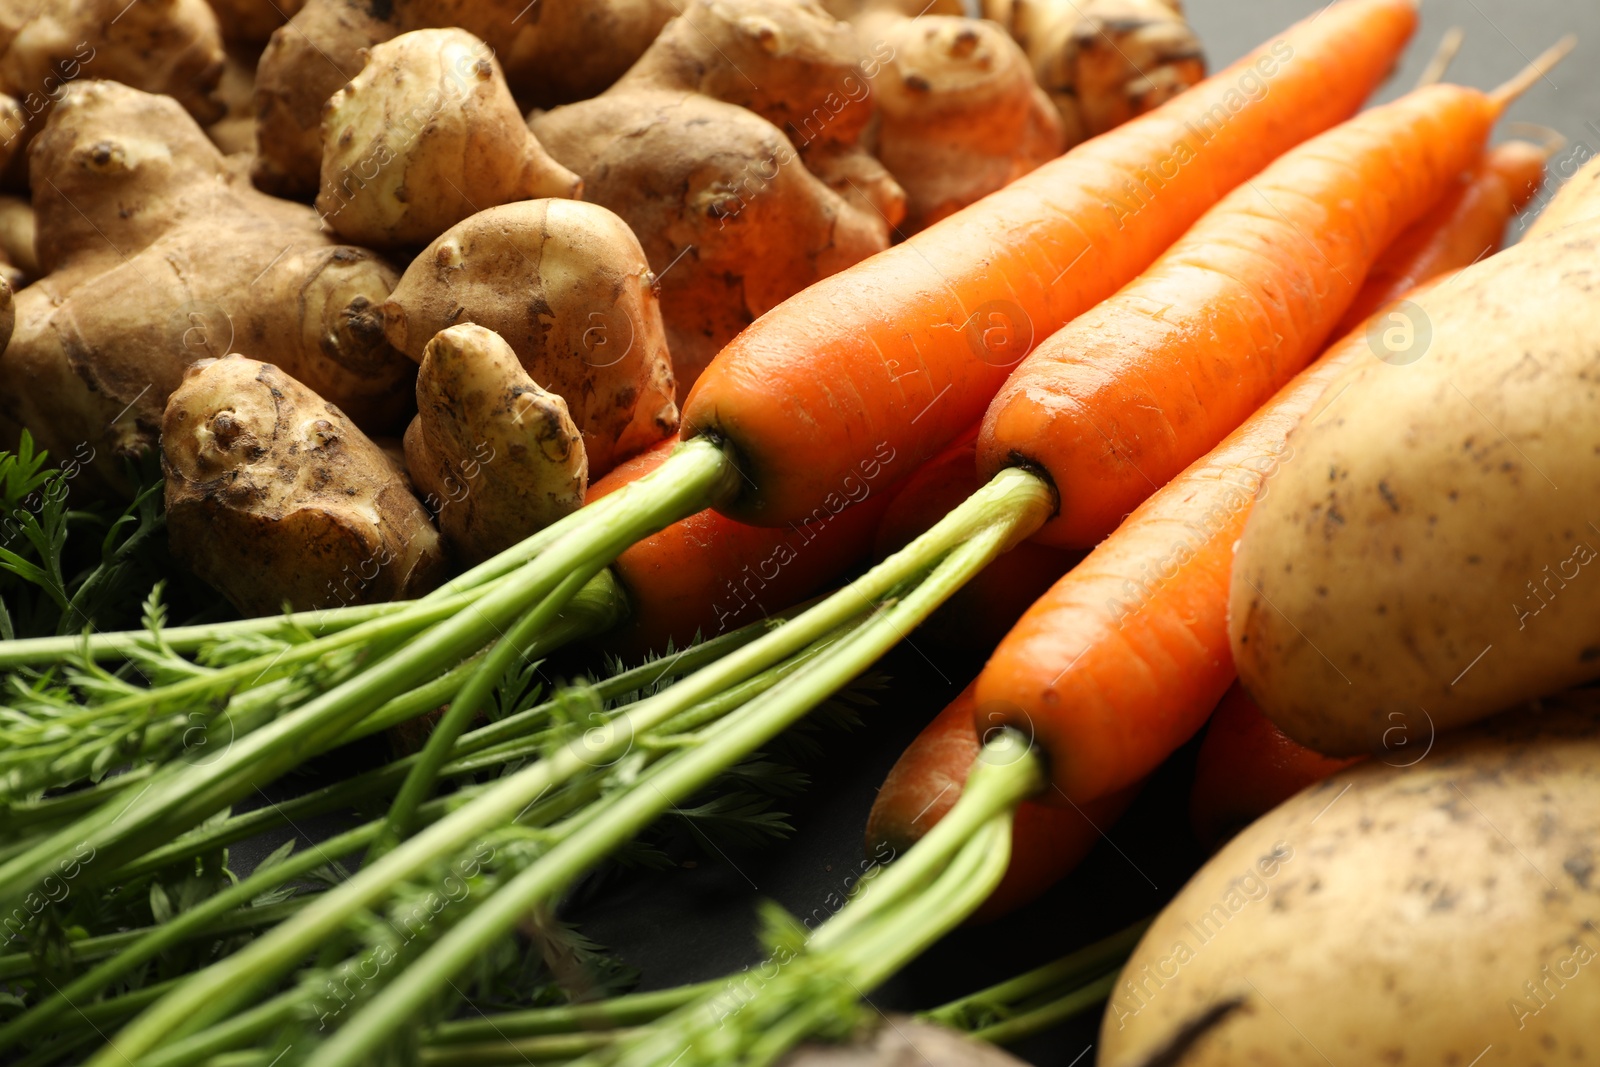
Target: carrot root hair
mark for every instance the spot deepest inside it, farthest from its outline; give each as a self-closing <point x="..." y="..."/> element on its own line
<point x="1524" y="79"/>
<point x="1443" y="56"/>
<point x="1544" y="136"/>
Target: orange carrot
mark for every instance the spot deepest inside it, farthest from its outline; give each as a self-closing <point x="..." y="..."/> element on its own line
<point x="708" y="574"/>
<point x="1124" y="658"/>
<point x="978" y="615"/>
<point x="1468" y="224"/>
<point x="903" y="350"/>
<point x="1247" y="767"/>
<point x="1046" y="841"/>
<point x="1115" y="404"/>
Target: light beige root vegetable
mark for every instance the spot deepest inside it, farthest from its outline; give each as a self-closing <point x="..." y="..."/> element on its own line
<point x="1104" y="61"/>
<point x="566" y="284"/>
<point x="251" y="22"/>
<point x="557" y="51"/>
<point x="901" y="1041"/>
<point x="1442" y="913"/>
<point x="1577" y="200"/>
<point x="960" y="112"/>
<point x="424" y="136"/>
<point x="497" y="457"/>
<point x="722" y="148"/>
<point x="172" y="47"/>
<point x="158" y="253"/>
<point x="275" y="498"/>
<point x="1429" y="555"/>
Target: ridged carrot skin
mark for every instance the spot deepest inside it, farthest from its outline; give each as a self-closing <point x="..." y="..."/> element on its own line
<point x="1130" y="393"/>
<point x="981" y="612"/>
<point x="1124" y="658"/>
<point x="1246" y="767"/>
<point x="1468" y="224"/>
<point x="1046" y="842"/>
<point x="710" y="574"/>
<point x="905" y="349"/>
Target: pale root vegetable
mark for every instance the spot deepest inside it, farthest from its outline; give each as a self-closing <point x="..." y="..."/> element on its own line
<point x="1576" y="200"/>
<point x="275" y="498"/>
<point x="172" y="47"/>
<point x="251" y="22"/>
<point x="495" y="456"/>
<point x="1104" y="61"/>
<point x="960" y="113"/>
<point x="732" y="149"/>
<point x="13" y="138"/>
<point x="1442" y="913"/>
<point x="1428" y="555"/>
<point x="159" y="253"/>
<point x="553" y="52"/>
<point x="424" y="136"/>
<point x="567" y="286"/>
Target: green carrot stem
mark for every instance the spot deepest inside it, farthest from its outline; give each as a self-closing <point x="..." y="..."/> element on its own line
<point x="630" y="1009"/>
<point x="319" y="621"/>
<point x="228" y="1035"/>
<point x="509" y="1050"/>
<point x="902" y="935"/>
<point x="1065" y="974"/>
<point x="480" y="749"/>
<point x="1020" y="503"/>
<point x="520" y="642"/>
<point x="1022" y="499"/>
<point x="1052" y="1014"/>
<point x="23" y="964"/>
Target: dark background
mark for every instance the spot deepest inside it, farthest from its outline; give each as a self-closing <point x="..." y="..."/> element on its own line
<point x="696" y="921"/>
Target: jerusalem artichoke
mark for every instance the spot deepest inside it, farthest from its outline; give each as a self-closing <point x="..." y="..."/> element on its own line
<point x="276" y="499"/>
<point x="497" y="457"/>
<point x="555" y="51"/>
<point x="158" y="253"/>
<point x="567" y="286"/>
<point x="424" y="136"/>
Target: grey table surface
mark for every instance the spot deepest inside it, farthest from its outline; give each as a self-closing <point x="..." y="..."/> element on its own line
<point x="696" y="921"/>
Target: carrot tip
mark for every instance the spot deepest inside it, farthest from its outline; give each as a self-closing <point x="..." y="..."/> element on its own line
<point x="1543" y="65"/>
<point x="1543" y="136"/>
<point x="1449" y="46"/>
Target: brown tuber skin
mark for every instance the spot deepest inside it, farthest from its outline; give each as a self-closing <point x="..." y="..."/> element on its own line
<point x="734" y="216"/>
<point x="235" y="132"/>
<point x="171" y="47"/>
<point x="1104" y="62"/>
<point x="424" y="136"/>
<point x="159" y="253"/>
<point x="961" y="112"/>
<point x="251" y="22"/>
<point x="19" y="262"/>
<point x="561" y="50"/>
<point x="495" y="455"/>
<point x="275" y="498"/>
<point x="567" y="286"/>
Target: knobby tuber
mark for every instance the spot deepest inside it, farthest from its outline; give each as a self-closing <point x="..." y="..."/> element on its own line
<point x="1104" y="61"/>
<point x="424" y="136"/>
<point x="556" y="51"/>
<point x="732" y="150"/>
<point x="172" y="47"/>
<point x="276" y="498"/>
<point x="496" y="456"/>
<point x="960" y="112"/>
<point x="566" y="284"/>
<point x="158" y="253"/>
